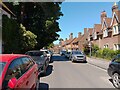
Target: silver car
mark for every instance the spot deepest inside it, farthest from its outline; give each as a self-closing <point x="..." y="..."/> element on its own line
<point x="77" y="56"/>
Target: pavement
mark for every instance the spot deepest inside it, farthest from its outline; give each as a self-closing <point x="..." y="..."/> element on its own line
<point x="101" y="63"/>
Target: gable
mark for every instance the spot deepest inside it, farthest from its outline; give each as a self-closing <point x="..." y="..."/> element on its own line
<point x="104" y="25"/>
<point x="115" y="19"/>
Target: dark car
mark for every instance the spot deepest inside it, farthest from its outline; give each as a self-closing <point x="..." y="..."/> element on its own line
<point x="17" y="72"/>
<point x="62" y="53"/>
<point x="114" y="71"/>
<point x="41" y="59"/>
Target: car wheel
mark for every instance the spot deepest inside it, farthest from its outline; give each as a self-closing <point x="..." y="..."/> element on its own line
<point x="116" y="80"/>
<point x="72" y="60"/>
<point x="44" y="73"/>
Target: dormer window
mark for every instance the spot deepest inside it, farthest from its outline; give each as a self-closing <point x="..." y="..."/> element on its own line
<point x="95" y="35"/>
<point x="115" y="30"/>
<point x="119" y="28"/>
<point x="105" y="33"/>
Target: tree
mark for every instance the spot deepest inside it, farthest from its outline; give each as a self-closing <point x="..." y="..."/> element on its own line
<point x="40" y="18"/>
<point x="15" y="37"/>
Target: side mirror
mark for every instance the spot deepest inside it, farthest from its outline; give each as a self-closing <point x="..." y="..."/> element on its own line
<point x="12" y="82"/>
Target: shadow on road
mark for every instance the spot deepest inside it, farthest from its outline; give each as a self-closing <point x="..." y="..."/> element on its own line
<point x="49" y="71"/>
<point x="59" y="58"/>
<point x="43" y="86"/>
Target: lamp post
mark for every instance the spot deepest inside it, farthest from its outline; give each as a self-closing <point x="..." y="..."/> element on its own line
<point x="90" y="46"/>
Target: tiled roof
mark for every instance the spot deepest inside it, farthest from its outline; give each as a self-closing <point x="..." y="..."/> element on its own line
<point x="90" y="31"/>
<point x="118" y="14"/>
<point x="75" y="40"/>
<point x="108" y="21"/>
<point x="97" y="27"/>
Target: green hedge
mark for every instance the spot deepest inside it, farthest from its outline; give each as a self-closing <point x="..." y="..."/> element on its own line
<point x="105" y="53"/>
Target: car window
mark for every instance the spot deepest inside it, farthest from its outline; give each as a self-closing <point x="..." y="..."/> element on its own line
<point x="14" y="70"/>
<point x="47" y="52"/>
<point x="35" y="53"/>
<point x="26" y="64"/>
<point x="76" y="52"/>
<point x="117" y="59"/>
<point x="2" y="64"/>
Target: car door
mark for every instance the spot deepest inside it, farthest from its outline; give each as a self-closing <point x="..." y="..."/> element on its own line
<point x="14" y="71"/>
<point x="117" y="63"/>
<point x="30" y="73"/>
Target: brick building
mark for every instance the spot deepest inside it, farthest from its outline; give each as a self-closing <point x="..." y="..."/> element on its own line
<point x="107" y="34"/>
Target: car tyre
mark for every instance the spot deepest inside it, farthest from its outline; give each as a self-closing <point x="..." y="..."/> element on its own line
<point x="72" y="60"/>
<point x="116" y="80"/>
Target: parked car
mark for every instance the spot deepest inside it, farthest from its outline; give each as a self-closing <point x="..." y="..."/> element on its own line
<point x="114" y="71"/>
<point x="17" y="71"/>
<point x="77" y="55"/>
<point x="67" y="54"/>
<point x="49" y="55"/>
<point x="40" y="58"/>
<point x="62" y="53"/>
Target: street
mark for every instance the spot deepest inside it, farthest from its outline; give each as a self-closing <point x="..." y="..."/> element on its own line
<point x="62" y="73"/>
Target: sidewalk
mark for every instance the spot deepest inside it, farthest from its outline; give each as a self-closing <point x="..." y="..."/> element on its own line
<point x="98" y="62"/>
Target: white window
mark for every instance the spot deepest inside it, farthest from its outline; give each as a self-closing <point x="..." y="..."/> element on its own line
<point x="105" y="33"/>
<point x="119" y="28"/>
<point x="95" y="36"/>
<point x="118" y="46"/>
<point x="115" y="46"/>
<point x="106" y="46"/>
<point x="115" y="30"/>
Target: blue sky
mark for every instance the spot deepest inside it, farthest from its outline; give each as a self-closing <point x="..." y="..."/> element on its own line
<point x="80" y="15"/>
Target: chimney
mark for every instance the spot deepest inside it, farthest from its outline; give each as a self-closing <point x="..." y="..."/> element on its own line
<point x="114" y="8"/>
<point x="65" y="39"/>
<point x="103" y="15"/>
<point x="79" y="34"/>
<point x="85" y="31"/>
<point x="71" y="36"/>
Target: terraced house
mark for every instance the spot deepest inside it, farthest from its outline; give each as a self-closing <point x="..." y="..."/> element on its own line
<point x="107" y="33"/>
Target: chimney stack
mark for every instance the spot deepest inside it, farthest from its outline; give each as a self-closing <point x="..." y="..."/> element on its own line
<point x="79" y="34"/>
<point x="71" y="36"/>
<point x="85" y="31"/>
<point x="114" y="8"/>
<point x="103" y="15"/>
<point x="65" y="39"/>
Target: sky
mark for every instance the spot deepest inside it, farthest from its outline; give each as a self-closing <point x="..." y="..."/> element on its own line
<point x="80" y="15"/>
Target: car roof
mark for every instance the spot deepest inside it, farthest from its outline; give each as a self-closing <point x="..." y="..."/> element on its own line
<point x="34" y="51"/>
<point x="9" y="57"/>
<point x="43" y="50"/>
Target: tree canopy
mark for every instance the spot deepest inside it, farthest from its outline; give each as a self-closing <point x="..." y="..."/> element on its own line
<point x="40" y="18"/>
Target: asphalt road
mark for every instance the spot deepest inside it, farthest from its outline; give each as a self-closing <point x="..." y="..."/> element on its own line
<point x="62" y="73"/>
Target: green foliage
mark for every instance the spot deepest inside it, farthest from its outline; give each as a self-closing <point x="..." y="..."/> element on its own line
<point x="40" y="18"/>
<point x="50" y="46"/>
<point x="28" y="38"/>
<point x="15" y="37"/>
<point x="106" y="53"/>
<point x="10" y="35"/>
<point x="95" y="49"/>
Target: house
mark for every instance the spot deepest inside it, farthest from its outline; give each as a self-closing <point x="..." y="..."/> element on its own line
<point x="83" y="40"/>
<point x="76" y="42"/>
<point x="67" y="44"/>
<point x="107" y="34"/>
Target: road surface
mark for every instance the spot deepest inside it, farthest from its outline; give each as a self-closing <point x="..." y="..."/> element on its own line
<point x="62" y="73"/>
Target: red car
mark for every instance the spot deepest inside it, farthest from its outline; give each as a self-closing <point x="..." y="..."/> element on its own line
<point x="17" y="72"/>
